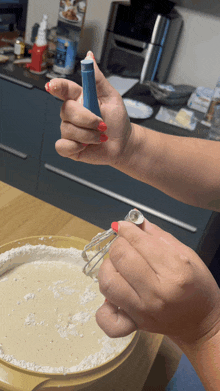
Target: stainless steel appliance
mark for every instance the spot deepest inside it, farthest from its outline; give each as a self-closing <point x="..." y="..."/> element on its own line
<point x="141" y="40"/>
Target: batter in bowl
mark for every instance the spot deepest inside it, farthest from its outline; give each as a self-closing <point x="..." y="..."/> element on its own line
<point x="48" y="311"/>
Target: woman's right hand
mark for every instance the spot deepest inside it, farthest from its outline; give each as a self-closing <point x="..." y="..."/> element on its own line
<point x="79" y="126"/>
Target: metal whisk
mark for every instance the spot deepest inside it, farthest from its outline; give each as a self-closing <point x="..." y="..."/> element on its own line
<point x="134" y="216"/>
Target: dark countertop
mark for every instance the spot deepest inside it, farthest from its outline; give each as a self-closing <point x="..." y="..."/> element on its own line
<point x="20" y="75"/>
<point x="142" y="94"/>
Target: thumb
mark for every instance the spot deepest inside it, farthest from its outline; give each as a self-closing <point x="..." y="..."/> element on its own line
<point x="104" y="88"/>
<point x="65" y="89"/>
<point x="114" y="321"/>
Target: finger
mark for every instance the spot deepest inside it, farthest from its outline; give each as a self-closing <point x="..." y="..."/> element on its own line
<point x="64" y="89"/>
<point x="70" y="149"/>
<point x="75" y="113"/>
<point x="132" y="266"/>
<point x="116" y="289"/>
<point x="74" y="133"/>
<point x="151" y="247"/>
<point x="160" y="234"/>
<point x="104" y="88"/>
<point x="114" y="321"/>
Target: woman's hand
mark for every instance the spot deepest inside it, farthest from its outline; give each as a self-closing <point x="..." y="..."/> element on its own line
<point x="79" y="126"/>
<point x="154" y="282"/>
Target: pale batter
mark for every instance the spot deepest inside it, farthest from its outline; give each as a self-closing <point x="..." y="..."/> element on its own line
<point x="48" y="314"/>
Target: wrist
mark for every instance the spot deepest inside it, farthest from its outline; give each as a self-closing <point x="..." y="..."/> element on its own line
<point x="201" y="340"/>
<point x="139" y="153"/>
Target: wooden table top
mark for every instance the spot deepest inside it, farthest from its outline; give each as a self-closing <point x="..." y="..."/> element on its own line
<point x="23" y="215"/>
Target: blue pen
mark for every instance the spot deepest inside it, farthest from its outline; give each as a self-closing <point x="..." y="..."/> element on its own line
<point x="90" y="100"/>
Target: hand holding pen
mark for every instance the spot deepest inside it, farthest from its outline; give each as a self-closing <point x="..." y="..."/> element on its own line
<point x="85" y="136"/>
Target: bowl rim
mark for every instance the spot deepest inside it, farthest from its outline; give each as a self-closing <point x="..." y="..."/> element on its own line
<point x="96" y="372"/>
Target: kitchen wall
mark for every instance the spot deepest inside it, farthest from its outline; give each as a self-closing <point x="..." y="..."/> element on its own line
<point x="198" y="56"/>
<point x="95" y="21"/>
<point x="35" y="12"/>
<point x="95" y="25"/>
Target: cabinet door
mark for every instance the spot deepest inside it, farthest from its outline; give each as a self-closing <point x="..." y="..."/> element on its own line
<point x="22" y="117"/>
<point x="22" y="123"/>
<point x="114" y="183"/>
<point x="2" y="173"/>
<point x="60" y="189"/>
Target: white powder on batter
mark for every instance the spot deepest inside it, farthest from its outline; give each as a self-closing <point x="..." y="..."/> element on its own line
<point x="63" y="336"/>
<point x="29" y="296"/>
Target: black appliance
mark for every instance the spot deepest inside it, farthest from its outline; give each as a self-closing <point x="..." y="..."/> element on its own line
<point x="13" y="15"/>
<point x="141" y="40"/>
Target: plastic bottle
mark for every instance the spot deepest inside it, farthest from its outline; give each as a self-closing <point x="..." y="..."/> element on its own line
<point x="214" y="133"/>
<point x="214" y="102"/>
<point x="19" y="47"/>
<point x="39" y="51"/>
<point x="65" y="55"/>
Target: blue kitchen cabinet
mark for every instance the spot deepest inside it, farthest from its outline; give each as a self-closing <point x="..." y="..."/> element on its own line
<point x="22" y="126"/>
<point x="101" y="194"/>
<point x="2" y="168"/>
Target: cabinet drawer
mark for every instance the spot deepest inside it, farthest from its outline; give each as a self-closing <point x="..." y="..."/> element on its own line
<point x="2" y="166"/>
<point x="22" y="117"/>
<point x="101" y="208"/>
<point x="21" y="173"/>
<point x="115" y="181"/>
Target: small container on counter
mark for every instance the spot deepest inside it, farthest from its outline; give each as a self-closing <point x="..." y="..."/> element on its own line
<point x="19" y="48"/>
<point x="39" y="52"/>
<point x="214" y="133"/>
<point x="214" y="102"/>
<point x="65" y="55"/>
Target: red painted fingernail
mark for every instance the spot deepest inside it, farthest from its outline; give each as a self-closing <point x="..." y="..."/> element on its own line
<point x="47" y="87"/>
<point x="106" y="300"/>
<point x="114" y="226"/>
<point x="102" y="127"/>
<point x="85" y="145"/>
<point x="103" y="138"/>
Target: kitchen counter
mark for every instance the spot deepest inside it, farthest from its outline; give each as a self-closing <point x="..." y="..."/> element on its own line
<point x="20" y="75"/>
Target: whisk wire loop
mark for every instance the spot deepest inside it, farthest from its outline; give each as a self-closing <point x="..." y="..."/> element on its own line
<point x="134" y="216"/>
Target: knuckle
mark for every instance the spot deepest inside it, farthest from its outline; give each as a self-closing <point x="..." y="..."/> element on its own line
<point x="62" y="127"/>
<point x="117" y="249"/>
<point x="135" y="241"/>
<point x="105" y="285"/>
<point x="94" y="122"/>
<point x="66" y="129"/>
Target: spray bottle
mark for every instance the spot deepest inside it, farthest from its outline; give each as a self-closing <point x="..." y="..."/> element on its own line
<point x="39" y="51"/>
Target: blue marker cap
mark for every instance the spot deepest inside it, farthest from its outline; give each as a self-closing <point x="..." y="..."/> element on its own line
<point x="90" y="100"/>
<point x="87" y="66"/>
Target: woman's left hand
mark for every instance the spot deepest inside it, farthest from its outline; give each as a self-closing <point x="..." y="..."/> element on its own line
<point x="154" y="282"/>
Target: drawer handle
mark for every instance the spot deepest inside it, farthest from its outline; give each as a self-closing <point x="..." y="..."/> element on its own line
<point x="15" y="81"/>
<point x="13" y="151"/>
<point x="121" y="198"/>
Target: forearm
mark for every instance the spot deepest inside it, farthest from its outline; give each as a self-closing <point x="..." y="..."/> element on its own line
<point x="205" y="358"/>
<point x="187" y="169"/>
